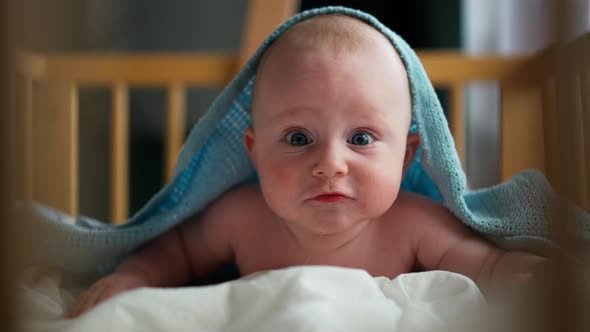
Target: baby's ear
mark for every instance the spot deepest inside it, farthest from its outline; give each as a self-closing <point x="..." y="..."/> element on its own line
<point x="412" y="143"/>
<point x="249" y="143"/>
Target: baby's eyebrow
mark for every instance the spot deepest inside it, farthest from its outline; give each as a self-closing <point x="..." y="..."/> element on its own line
<point x="371" y="114"/>
<point x="293" y="112"/>
<point x="363" y="113"/>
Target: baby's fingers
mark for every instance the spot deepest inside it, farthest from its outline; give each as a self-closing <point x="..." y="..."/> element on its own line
<point x="80" y="306"/>
<point x="87" y="300"/>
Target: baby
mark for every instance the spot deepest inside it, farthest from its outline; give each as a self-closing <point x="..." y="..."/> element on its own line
<point x="329" y="140"/>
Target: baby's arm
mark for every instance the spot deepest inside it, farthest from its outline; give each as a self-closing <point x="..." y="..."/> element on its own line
<point x="194" y="248"/>
<point x="160" y="262"/>
<point x="445" y="243"/>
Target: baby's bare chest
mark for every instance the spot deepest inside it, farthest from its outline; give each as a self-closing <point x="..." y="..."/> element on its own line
<point x="384" y="255"/>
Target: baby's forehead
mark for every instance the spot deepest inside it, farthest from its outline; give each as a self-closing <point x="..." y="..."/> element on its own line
<point x="335" y="34"/>
<point x="332" y="33"/>
<point x="335" y="31"/>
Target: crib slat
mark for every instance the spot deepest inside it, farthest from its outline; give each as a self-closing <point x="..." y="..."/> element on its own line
<point x="567" y="67"/>
<point x="16" y="141"/>
<point x="262" y="18"/>
<point x="584" y="69"/>
<point x="119" y="154"/>
<point x="567" y="126"/>
<point x="521" y="131"/>
<point x="576" y="135"/>
<point x="55" y="145"/>
<point x="74" y="134"/>
<point x="28" y="138"/>
<point x="585" y="92"/>
<point x="551" y="133"/>
<point x="175" y="127"/>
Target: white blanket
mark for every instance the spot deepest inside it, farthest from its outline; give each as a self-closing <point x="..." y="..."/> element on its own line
<point x="312" y="298"/>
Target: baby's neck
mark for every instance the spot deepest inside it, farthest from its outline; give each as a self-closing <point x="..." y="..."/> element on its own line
<point x="315" y="243"/>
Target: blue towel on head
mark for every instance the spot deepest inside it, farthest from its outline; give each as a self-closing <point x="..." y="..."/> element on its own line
<point x="516" y="213"/>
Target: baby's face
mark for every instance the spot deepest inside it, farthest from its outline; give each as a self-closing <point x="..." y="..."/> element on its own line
<point x="329" y="136"/>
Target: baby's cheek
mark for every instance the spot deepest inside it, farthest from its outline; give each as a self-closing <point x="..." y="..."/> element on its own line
<point x="382" y="188"/>
<point x="281" y="174"/>
<point x="281" y="177"/>
<point x="278" y="180"/>
<point x="280" y="191"/>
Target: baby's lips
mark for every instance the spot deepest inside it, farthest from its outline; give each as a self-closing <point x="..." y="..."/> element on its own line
<point x="329" y="198"/>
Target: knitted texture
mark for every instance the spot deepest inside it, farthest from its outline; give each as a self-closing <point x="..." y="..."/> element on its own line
<point x="212" y="160"/>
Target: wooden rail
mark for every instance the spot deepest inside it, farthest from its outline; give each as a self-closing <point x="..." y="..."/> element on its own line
<point x="176" y="72"/>
<point x="523" y="128"/>
<point x="136" y="70"/>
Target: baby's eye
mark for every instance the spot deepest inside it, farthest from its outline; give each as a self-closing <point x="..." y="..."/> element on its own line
<point x="297" y="138"/>
<point x="360" y="138"/>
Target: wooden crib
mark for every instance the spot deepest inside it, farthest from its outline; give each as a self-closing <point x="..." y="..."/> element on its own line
<point x="544" y="111"/>
<point x="544" y="118"/>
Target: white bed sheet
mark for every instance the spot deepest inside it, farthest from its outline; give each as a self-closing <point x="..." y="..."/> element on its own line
<point x="311" y="298"/>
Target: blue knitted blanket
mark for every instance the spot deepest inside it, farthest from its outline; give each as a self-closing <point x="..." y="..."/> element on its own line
<point x="516" y="213"/>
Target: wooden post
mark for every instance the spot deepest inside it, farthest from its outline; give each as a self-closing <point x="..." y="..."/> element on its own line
<point x="55" y="146"/>
<point x="570" y="122"/>
<point x="262" y="17"/>
<point x="175" y="127"/>
<point x="585" y="92"/>
<point x="521" y="129"/>
<point x="28" y="137"/>
<point x="119" y="154"/>
<point x="552" y="140"/>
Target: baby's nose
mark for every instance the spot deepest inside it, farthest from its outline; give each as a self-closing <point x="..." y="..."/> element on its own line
<point x="331" y="162"/>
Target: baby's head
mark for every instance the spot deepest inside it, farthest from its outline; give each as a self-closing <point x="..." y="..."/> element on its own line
<point x="330" y="36"/>
<point x="331" y="111"/>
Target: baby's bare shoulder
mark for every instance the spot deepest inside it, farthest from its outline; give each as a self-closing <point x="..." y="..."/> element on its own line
<point x="241" y="201"/>
<point x="425" y="225"/>
<point x="418" y="213"/>
<point x="418" y="206"/>
<point x="236" y="209"/>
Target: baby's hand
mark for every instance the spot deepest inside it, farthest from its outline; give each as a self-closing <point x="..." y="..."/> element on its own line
<point x="517" y="272"/>
<point x="106" y="288"/>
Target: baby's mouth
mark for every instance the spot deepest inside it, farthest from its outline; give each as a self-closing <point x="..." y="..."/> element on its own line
<point x="329" y="198"/>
